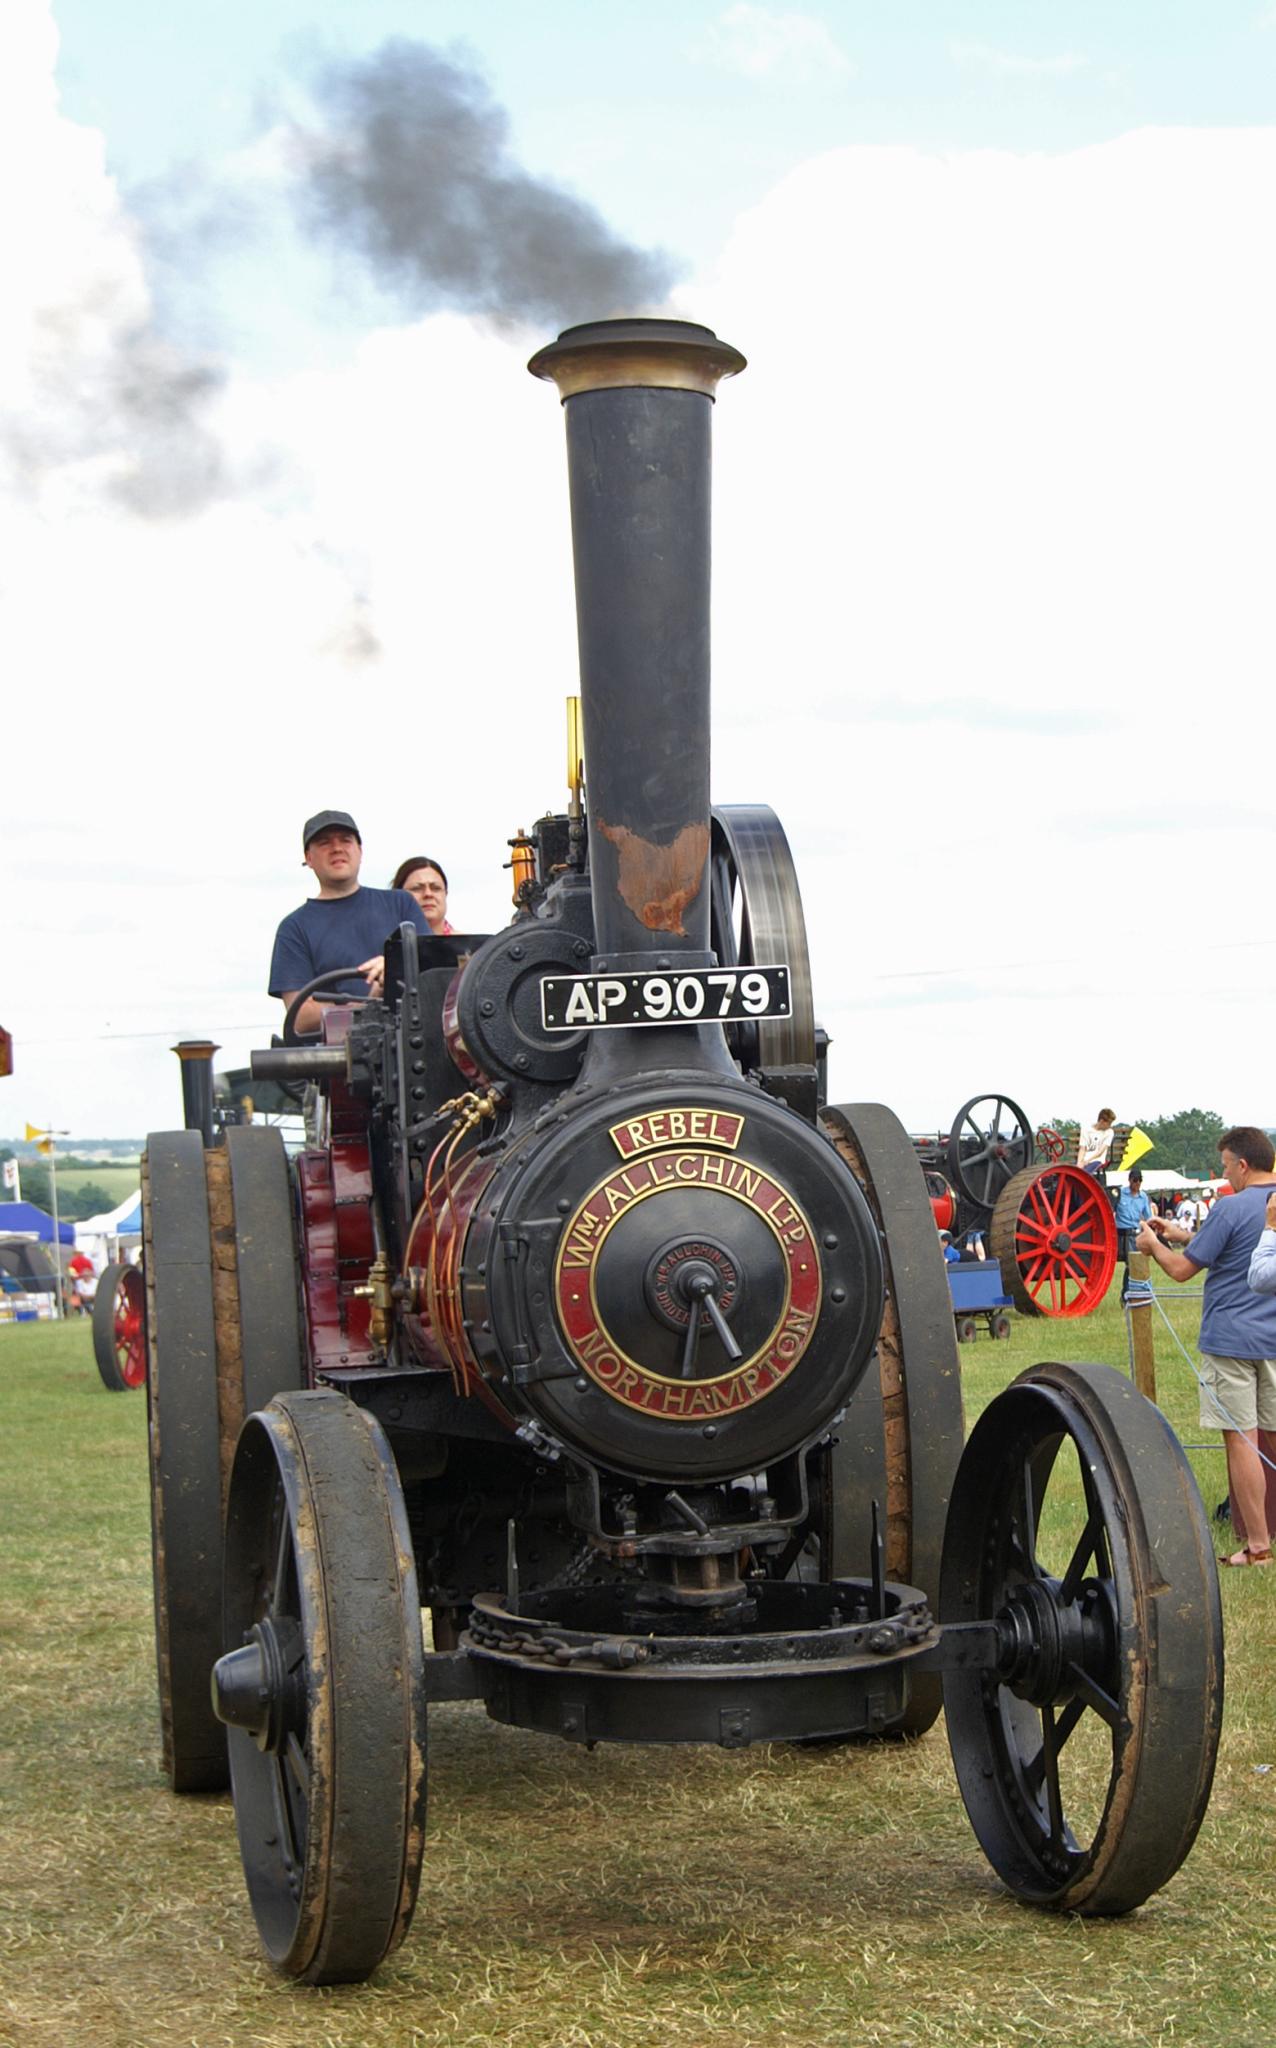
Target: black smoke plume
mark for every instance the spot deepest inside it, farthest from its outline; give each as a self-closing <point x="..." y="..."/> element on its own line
<point x="112" y="396"/>
<point x="413" y="169"/>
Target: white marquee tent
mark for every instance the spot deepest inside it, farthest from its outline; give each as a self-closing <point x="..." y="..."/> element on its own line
<point x="100" y="1236"/>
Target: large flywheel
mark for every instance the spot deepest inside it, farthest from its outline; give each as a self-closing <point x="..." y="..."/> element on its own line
<point x="902" y="1434"/>
<point x="990" y="1141"/>
<point x="223" y="1333"/>
<point x="756" y="921"/>
<point x="1076" y="1530"/>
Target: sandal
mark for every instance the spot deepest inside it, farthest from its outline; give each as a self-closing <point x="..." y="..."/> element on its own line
<point x="1248" y="1555"/>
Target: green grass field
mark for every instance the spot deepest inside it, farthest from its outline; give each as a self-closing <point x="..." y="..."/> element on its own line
<point x="622" y="1899"/>
<point x="118" y="1181"/>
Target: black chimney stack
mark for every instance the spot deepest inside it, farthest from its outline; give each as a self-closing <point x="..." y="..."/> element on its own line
<point x="638" y="395"/>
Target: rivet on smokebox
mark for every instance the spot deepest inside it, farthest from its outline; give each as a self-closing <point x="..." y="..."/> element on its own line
<point x="837" y="1294"/>
<point x="710" y="1429"/>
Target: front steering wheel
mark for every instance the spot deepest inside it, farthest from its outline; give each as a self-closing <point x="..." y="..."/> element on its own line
<point x="322" y="993"/>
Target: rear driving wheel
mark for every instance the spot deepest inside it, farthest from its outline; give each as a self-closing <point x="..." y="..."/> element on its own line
<point x="903" y="1431"/>
<point x="1054" y="1234"/>
<point x="223" y="1332"/>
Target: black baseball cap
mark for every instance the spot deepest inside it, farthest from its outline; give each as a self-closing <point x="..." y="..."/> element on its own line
<point x="324" y="821"/>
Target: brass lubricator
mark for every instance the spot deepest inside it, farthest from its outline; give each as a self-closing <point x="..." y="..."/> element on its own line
<point x="522" y="863"/>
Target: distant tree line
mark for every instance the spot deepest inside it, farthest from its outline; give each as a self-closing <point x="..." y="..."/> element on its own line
<point x="75" y="1205"/>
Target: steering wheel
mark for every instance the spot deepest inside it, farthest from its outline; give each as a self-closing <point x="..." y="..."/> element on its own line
<point x="319" y="990"/>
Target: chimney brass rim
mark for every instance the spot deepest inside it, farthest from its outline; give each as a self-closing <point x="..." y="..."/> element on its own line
<point x="657" y="355"/>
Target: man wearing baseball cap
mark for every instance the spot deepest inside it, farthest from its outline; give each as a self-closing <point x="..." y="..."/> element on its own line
<point x="344" y="926"/>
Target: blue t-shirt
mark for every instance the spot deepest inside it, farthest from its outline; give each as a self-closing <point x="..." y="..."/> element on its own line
<point x="339" y="931"/>
<point x="1235" y="1322"/>
<point x="1131" y="1210"/>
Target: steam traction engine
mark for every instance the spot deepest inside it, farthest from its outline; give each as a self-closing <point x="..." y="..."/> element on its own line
<point x="1049" y="1225"/>
<point x="585" y="1326"/>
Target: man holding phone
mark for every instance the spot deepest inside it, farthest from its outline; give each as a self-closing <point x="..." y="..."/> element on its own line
<point x="1238" y="1325"/>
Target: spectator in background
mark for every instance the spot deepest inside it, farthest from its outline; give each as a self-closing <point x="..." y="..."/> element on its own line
<point x="1238" y="1326"/>
<point x="1188" y="1214"/>
<point x="1262" y="1265"/>
<point x="83" y="1276"/>
<point x="951" y="1253"/>
<point x="1096" y="1143"/>
<point x="425" y="880"/>
<point x="1132" y="1209"/>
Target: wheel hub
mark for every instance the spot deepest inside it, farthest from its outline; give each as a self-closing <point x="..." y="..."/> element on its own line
<point x="1049" y="1644"/>
<point x="261" y="1687"/>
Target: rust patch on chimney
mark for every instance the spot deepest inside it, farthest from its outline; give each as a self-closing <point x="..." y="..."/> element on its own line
<point x="658" y="882"/>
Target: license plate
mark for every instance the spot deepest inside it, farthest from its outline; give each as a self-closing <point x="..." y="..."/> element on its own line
<point x="703" y="995"/>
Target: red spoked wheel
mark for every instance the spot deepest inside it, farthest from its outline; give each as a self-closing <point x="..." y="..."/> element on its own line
<point x="943" y="1202"/>
<point x="1050" y="1143"/>
<point x="119" y="1328"/>
<point x="1054" y="1235"/>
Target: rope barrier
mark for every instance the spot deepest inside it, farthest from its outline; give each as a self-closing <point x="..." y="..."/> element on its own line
<point x="1142" y="1294"/>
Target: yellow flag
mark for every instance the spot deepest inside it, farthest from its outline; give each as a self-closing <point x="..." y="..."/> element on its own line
<point x="33" y="1133"/>
<point x="1137" y="1144"/>
<point x="45" y="1145"/>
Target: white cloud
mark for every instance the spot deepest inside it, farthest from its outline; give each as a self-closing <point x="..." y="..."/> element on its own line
<point x="992" y="627"/>
<point x="1006" y="440"/>
<point x="763" y="41"/>
<point x="1011" y="64"/>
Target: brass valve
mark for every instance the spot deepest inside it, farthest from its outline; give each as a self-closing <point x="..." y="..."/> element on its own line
<point x="471" y="1109"/>
<point x="379" y="1289"/>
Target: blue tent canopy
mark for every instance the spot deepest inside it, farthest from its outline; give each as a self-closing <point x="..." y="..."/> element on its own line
<point x="33" y="1222"/>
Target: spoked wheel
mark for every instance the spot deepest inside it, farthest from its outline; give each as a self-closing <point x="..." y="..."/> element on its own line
<point x="756" y="921"/>
<point x="1085" y="1760"/>
<point x="322" y="1686"/>
<point x="1054" y="1233"/>
<point x="1051" y="1143"/>
<point x="119" y="1328"/>
<point x="902" y="1434"/>
<point x="223" y="1334"/>
<point x="989" y="1142"/>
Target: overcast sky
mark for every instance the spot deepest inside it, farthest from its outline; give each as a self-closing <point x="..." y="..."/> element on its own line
<point x="284" y="526"/>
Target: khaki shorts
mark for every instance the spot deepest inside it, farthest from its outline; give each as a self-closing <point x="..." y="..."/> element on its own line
<point x="1238" y="1393"/>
